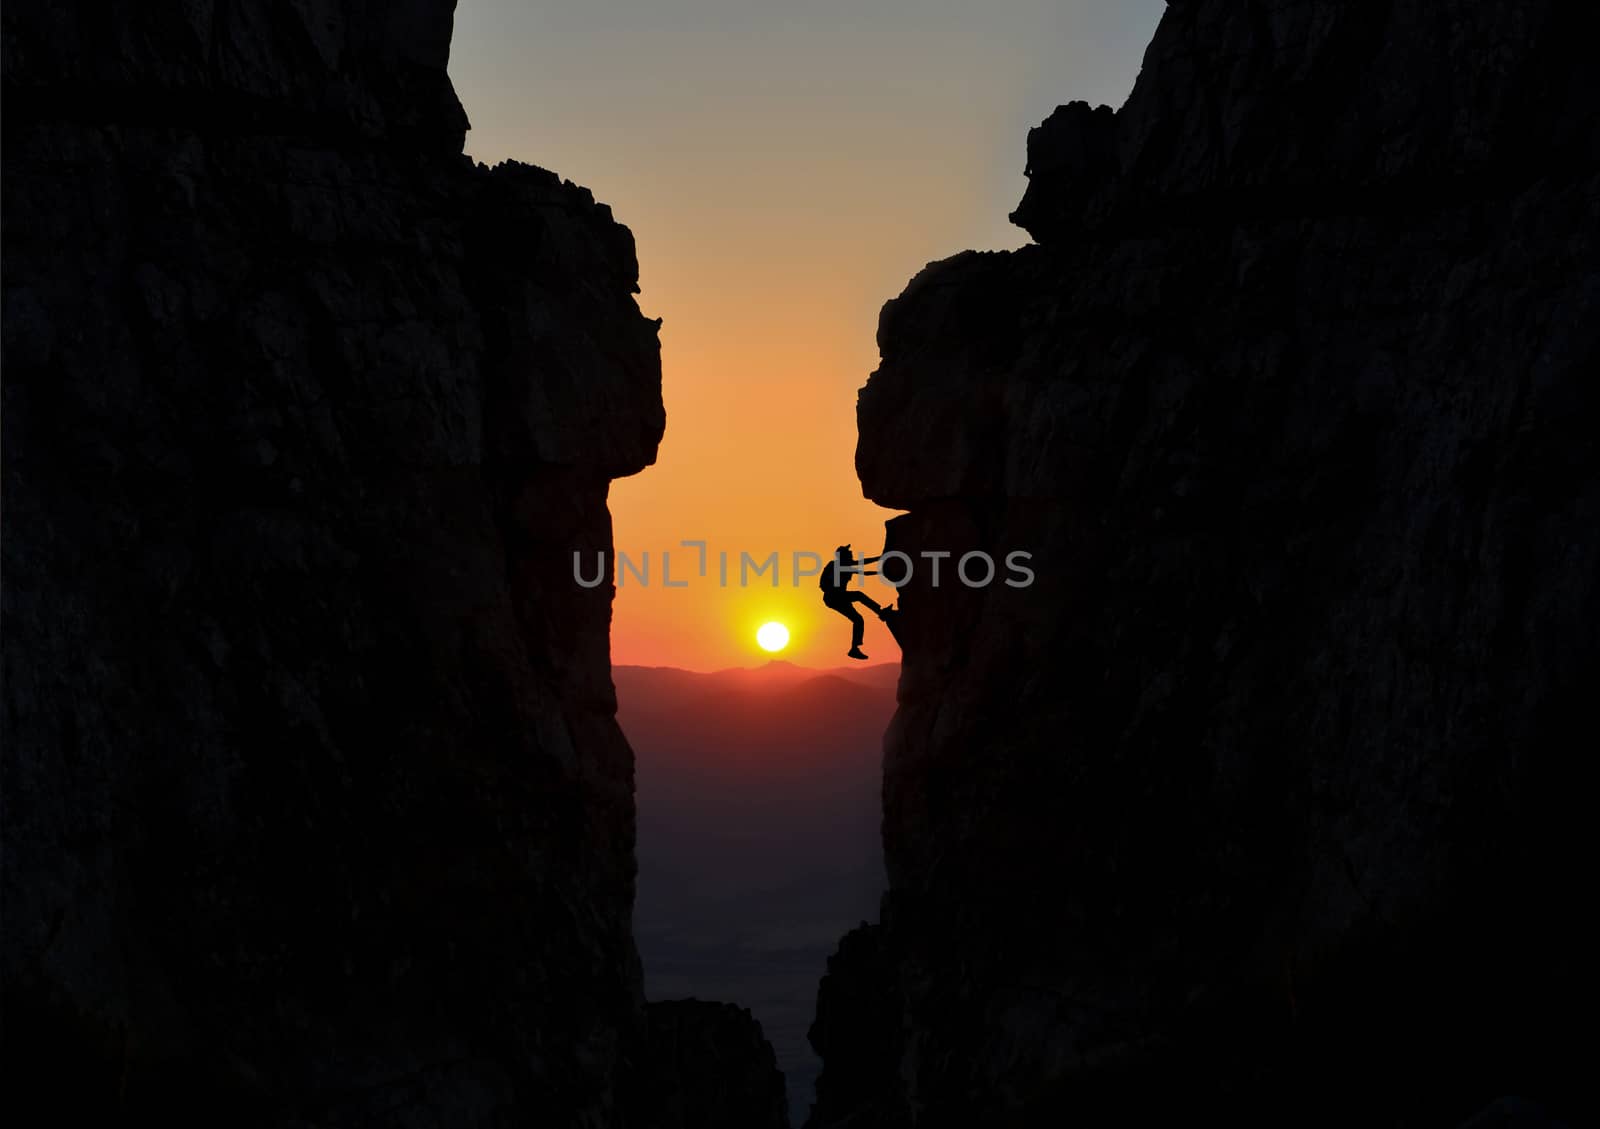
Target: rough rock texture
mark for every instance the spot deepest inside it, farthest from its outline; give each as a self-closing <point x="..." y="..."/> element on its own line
<point x="715" y="1069"/>
<point x="856" y="1032"/>
<point x="315" y="808"/>
<point x="1260" y="803"/>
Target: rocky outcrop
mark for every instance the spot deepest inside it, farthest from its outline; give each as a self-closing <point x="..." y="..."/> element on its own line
<point x="1260" y="802"/>
<point x="856" y="1032"/>
<point x="315" y="807"/>
<point x="714" y="1068"/>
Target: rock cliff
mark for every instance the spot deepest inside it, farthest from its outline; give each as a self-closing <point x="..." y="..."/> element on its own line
<point x="1260" y="802"/>
<point x="315" y="807"/>
<point x="712" y="1068"/>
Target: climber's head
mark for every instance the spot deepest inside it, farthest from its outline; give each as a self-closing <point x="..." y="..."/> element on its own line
<point x="842" y="554"/>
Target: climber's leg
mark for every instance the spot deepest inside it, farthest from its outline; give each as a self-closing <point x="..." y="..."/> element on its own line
<point x="863" y="598"/>
<point x="858" y="626"/>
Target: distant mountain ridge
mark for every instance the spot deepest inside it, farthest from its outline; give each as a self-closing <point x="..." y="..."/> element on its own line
<point x="777" y="672"/>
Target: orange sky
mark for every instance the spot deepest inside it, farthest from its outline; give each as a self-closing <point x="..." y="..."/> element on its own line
<point x="785" y="170"/>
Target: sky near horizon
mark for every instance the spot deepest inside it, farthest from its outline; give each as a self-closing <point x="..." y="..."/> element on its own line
<point x="785" y="168"/>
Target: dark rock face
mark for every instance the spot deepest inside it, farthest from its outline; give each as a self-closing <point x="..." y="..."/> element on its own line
<point x="714" y="1068"/>
<point x="1260" y="801"/>
<point x="315" y="807"/>
<point x="856" y="1032"/>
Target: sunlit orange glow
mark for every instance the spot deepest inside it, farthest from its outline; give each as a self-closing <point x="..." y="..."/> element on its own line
<point x="785" y="171"/>
<point x="773" y="637"/>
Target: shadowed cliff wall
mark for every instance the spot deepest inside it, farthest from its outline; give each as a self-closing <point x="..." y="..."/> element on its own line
<point x="315" y="810"/>
<point x="1261" y="802"/>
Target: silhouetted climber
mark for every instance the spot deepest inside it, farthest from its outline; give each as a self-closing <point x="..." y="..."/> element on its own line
<point x="836" y="594"/>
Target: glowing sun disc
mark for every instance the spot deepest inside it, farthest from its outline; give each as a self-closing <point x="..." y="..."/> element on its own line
<point x="773" y="636"/>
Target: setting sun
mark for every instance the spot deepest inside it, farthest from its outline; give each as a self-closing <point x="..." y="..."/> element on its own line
<point x="773" y="636"/>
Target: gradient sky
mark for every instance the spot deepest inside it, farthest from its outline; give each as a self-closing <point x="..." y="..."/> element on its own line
<point x="785" y="168"/>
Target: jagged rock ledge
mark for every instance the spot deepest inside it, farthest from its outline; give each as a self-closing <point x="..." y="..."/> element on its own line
<point x="711" y="1068"/>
